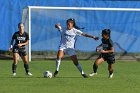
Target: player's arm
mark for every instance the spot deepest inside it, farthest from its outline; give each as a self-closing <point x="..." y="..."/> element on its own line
<point x="11" y="44"/>
<point x="97" y="48"/>
<point x="111" y="49"/>
<point x="90" y="36"/>
<point x="58" y="26"/>
<point x="107" y="51"/>
<point x="22" y="44"/>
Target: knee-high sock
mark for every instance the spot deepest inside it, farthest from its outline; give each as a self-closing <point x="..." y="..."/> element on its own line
<point x="110" y="72"/>
<point x="26" y="66"/>
<point x="14" y="66"/>
<point x="58" y="61"/>
<point x="95" y="67"/>
<point x="80" y="68"/>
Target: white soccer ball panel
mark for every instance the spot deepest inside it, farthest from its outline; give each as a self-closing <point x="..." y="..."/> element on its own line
<point x="47" y="74"/>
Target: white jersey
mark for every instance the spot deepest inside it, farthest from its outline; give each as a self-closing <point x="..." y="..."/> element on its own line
<point x="68" y="37"/>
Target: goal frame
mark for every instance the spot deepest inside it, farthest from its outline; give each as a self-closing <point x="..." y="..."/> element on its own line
<point x="29" y="8"/>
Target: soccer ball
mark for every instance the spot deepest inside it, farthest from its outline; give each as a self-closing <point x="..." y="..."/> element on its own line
<point x="47" y="74"/>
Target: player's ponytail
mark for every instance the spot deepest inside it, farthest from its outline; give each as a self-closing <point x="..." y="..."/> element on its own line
<point x="74" y="23"/>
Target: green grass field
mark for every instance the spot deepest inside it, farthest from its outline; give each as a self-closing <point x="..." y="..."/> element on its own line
<point x="126" y="78"/>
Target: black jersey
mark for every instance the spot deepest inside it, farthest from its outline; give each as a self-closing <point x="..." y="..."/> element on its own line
<point x="20" y="38"/>
<point x="107" y="45"/>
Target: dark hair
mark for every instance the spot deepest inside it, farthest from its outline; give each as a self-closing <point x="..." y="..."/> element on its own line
<point x="106" y="32"/>
<point x="20" y="24"/>
<point x="74" y="23"/>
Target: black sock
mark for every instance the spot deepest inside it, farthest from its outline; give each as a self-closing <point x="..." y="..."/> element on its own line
<point x="110" y="72"/>
<point x="95" y="67"/>
<point x="26" y="66"/>
<point x="14" y="66"/>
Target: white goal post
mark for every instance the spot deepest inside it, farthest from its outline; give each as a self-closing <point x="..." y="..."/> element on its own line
<point x="29" y="9"/>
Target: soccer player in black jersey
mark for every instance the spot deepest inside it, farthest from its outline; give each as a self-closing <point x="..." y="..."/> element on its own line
<point x="106" y="53"/>
<point x="21" y="39"/>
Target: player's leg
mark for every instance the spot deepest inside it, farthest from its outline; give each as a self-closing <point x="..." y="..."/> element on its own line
<point x="60" y="54"/>
<point x="95" y="66"/>
<point x="110" y="69"/>
<point x="110" y="61"/>
<point x="15" y="62"/>
<point x="25" y="60"/>
<point x="77" y="64"/>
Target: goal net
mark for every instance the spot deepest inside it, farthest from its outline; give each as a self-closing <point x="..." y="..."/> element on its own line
<point x="44" y="37"/>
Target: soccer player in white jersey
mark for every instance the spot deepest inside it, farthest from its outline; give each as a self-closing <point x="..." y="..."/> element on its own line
<point x="67" y="44"/>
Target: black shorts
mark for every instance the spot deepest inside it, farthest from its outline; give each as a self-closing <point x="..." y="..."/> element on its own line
<point x="20" y="51"/>
<point x="110" y="59"/>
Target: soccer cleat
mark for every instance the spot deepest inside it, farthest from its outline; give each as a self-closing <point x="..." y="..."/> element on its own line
<point x="29" y="74"/>
<point x="55" y="73"/>
<point x="84" y="75"/>
<point x="111" y="75"/>
<point x="92" y="74"/>
<point x="14" y="74"/>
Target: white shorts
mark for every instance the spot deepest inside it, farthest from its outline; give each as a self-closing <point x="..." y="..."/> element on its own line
<point x="68" y="51"/>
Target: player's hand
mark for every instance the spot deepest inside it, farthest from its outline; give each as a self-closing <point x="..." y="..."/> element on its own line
<point x="57" y="26"/>
<point x="11" y="47"/>
<point x="20" y="45"/>
<point x="103" y="51"/>
<point x="97" y="50"/>
<point x="100" y="51"/>
<point x="96" y="38"/>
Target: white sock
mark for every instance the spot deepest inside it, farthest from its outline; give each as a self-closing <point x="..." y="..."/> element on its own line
<point x="80" y="68"/>
<point x="57" y="64"/>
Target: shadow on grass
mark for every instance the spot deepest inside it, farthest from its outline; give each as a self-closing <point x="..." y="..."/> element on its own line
<point x="30" y="77"/>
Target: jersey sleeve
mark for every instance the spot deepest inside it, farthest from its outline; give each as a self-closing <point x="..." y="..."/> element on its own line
<point x="61" y="29"/>
<point x="27" y="36"/>
<point x="111" y="43"/>
<point x="14" y="36"/>
<point x="78" y="32"/>
<point x="102" y="40"/>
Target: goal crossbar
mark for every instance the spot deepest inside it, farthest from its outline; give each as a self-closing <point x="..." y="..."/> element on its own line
<point x="86" y="8"/>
